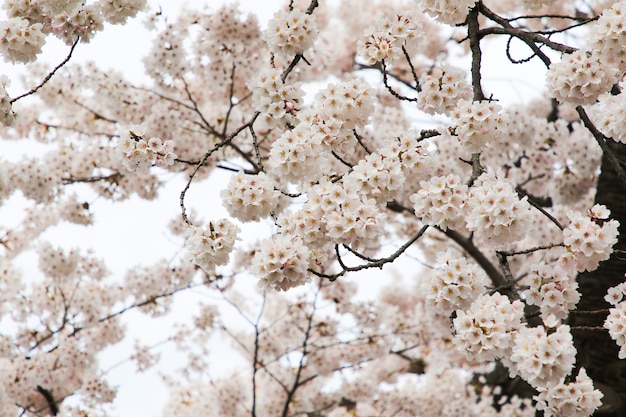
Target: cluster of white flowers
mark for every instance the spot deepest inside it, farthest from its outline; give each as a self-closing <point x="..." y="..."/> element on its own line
<point x="448" y="11"/>
<point x="441" y="92"/>
<point x="611" y="114"/>
<point x="298" y="154"/>
<point x="478" y="123"/>
<point x="335" y="213"/>
<point x="535" y="4"/>
<point x="384" y="41"/>
<point x="590" y="238"/>
<point x="413" y="155"/>
<point x="579" y="78"/>
<point x="454" y="284"/>
<point x="378" y="175"/>
<point x="354" y="220"/>
<point x="119" y="11"/>
<point x="281" y="263"/>
<point x="486" y="330"/>
<point x="542" y="359"/>
<point x="20" y="41"/>
<point x="278" y="102"/>
<point x="615" y="323"/>
<point x="306" y="223"/>
<point x="615" y="294"/>
<point x="552" y="289"/>
<point x="574" y="399"/>
<point x="607" y="35"/>
<point x="138" y="153"/>
<point x="210" y="246"/>
<point x="441" y="202"/>
<point x="291" y="33"/>
<point x="250" y="197"/>
<point x="7" y="115"/>
<point x="351" y="102"/>
<point x="495" y="211"/>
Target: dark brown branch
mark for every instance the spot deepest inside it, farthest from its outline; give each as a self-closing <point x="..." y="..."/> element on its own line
<point x="477" y="168"/>
<point x="492" y="272"/>
<point x="375" y="263"/>
<point x="390" y="89"/>
<point x="473" y="28"/>
<point x="413" y="73"/>
<point x="114" y="176"/>
<point x="602" y="139"/>
<point x="531" y="250"/>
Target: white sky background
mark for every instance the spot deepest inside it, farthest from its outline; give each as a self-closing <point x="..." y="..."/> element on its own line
<point x="122" y="230"/>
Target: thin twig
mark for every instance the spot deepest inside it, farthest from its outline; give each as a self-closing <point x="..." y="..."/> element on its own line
<point x="50" y="75"/>
<point x="203" y="160"/>
<point x="531" y="250"/>
<point x="376" y="263"/>
<point x="390" y="89"/>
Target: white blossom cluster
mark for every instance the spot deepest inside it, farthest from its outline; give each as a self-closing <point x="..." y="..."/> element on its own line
<point x="611" y="114"/>
<point x="66" y="371"/>
<point x="572" y="399"/>
<point x="478" y="124"/>
<point x="542" y="359"/>
<point x="20" y="41"/>
<point x="413" y="155"/>
<point x="607" y="35"/>
<point x="298" y="154"/>
<point x="281" y="263"/>
<point x="448" y="11"/>
<point x="535" y="4"/>
<point x="590" y="238"/>
<point x="496" y="212"/>
<point x="552" y="289"/>
<point x="67" y="20"/>
<point x="486" y="330"/>
<point x="7" y="115"/>
<point x="354" y="220"/>
<point x="580" y="77"/>
<point x="211" y="245"/>
<point x="615" y="322"/>
<point x="334" y="213"/>
<point x="378" y="175"/>
<point x="250" y="197"/>
<point x="278" y="102"/>
<point x="306" y="223"/>
<point x="138" y="153"/>
<point x="291" y="33"/>
<point x="119" y="11"/>
<point x="454" y="284"/>
<point x="351" y="102"/>
<point x="442" y="91"/>
<point x="441" y="202"/>
<point x="384" y="41"/>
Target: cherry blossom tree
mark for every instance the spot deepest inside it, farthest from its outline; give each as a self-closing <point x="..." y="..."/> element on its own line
<point x="362" y="134"/>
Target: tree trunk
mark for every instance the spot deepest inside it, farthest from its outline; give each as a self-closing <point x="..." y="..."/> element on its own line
<point x="597" y="352"/>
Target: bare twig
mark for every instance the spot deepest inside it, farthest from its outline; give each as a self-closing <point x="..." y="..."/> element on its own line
<point x="50" y="75"/>
<point x="390" y="89"/>
<point x="203" y="160"/>
<point x="531" y="250"/>
<point x="375" y="263"/>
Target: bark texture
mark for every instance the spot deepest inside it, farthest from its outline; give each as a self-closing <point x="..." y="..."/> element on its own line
<point x="597" y="352"/>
